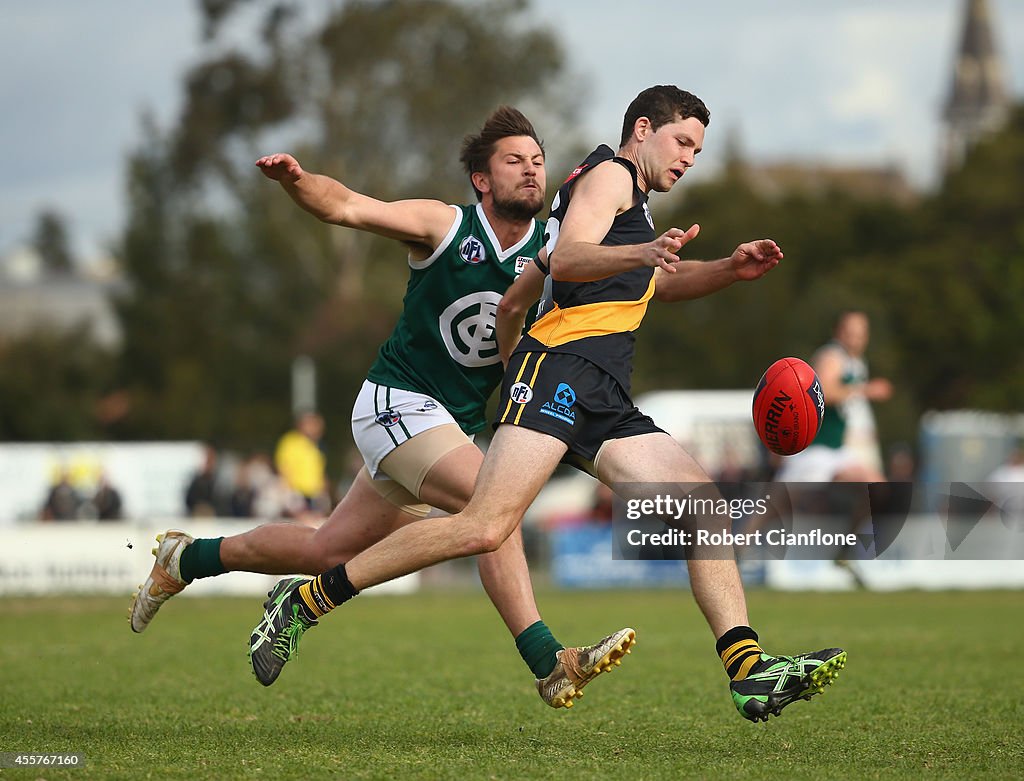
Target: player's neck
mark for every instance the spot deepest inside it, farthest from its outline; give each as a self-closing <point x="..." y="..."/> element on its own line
<point x="508" y="230"/>
<point x="629" y="152"/>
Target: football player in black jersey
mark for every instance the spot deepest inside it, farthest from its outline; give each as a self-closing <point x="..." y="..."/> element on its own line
<point x="565" y="395"/>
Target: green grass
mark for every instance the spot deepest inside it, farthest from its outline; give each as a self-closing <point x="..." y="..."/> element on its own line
<point x="431" y="687"/>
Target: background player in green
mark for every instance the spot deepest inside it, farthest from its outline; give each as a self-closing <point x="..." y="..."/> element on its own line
<point x="566" y="393"/>
<point x="424" y="396"/>
<point x="849" y="390"/>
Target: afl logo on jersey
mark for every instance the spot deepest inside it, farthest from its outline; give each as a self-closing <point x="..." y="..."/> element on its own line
<point x="471" y="250"/>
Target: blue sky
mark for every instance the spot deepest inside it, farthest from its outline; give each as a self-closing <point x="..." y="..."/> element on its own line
<point x="848" y="81"/>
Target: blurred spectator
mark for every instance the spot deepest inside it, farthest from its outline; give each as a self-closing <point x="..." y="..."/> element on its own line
<point x="901" y="466"/>
<point x="105" y="504"/>
<point x="260" y="492"/>
<point x="245" y="492"/>
<point x="62" y="502"/>
<point x="201" y="497"/>
<point x="736" y="479"/>
<point x="300" y="461"/>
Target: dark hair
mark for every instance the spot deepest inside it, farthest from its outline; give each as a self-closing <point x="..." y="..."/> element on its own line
<point x="662" y="105"/>
<point x="477" y="149"/>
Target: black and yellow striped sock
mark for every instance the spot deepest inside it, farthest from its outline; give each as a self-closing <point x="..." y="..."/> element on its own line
<point x="326" y="591"/>
<point x="739" y="651"/>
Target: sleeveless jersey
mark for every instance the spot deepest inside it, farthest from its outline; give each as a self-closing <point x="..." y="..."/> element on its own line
<point x="833" y="423"/>
<point x="444" y="343"/>
<point x="596" y="320"/>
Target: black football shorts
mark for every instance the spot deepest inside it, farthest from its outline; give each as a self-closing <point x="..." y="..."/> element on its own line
<point x="571" y="399"/>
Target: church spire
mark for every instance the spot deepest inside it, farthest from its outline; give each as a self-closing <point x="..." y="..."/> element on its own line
<point x="978" y="103"/>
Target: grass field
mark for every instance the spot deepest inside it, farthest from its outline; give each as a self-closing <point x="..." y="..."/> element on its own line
<point x="431" y="687"/>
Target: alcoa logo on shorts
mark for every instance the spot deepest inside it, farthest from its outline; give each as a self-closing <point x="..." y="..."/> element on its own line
<point x="560" y="407"/>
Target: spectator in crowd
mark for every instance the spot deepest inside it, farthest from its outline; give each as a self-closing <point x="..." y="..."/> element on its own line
<point x="274" y="500"/>
<point x="244" y="493"/>
<point x="106" y="504"/>
<point x="62" y="501"/>
<point x="260" y="492"/>
<point x="202" y="499"/>
<point x="300" y="460"/>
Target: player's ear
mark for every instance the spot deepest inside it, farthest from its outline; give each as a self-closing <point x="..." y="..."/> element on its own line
<point x="642" y="128"/>
<point x="481" y="181"/>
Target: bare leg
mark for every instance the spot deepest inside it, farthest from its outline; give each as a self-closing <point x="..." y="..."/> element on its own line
<point x="657" y="458"/>
<point x="361" y="518"/>
<point x="503" y="573"/>
<point x="488" y="520"/>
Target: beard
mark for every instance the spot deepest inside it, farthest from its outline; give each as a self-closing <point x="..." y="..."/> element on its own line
<point x="520" y="206"/>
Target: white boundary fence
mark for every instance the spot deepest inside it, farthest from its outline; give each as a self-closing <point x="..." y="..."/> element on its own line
<point x="81" y="557"/>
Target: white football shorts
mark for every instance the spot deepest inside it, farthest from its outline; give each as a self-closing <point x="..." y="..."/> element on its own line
<point x="815" y="464"/>
<point x="384" y="418"/>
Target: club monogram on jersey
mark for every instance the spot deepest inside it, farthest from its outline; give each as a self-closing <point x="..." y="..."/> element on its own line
<point x="449" y="317"/>
<point x="467" y="328"/>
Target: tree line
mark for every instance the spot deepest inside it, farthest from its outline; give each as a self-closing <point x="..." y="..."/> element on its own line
<point x="225" y="281"/>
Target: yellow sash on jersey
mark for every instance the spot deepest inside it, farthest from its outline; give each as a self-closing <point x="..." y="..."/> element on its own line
<point x="561" y="326"/>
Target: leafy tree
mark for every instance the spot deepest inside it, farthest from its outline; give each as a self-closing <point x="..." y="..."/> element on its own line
<point x="955" y="296"/>
<point x="227" y="280"/>
<point x="51" y="386"/>
<point x="51" y="242"/>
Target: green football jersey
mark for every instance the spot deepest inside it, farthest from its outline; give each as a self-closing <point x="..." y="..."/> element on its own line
<point x="833" y="423"/>
<point x="444" y="342"/>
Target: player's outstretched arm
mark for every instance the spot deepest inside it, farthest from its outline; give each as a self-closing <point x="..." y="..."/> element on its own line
<point x="418" y="221"/>
<point x="514" y="306"/>
<point x="697" y="278"/>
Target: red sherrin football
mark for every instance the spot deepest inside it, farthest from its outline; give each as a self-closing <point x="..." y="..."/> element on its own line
<point x="788" y="405"/>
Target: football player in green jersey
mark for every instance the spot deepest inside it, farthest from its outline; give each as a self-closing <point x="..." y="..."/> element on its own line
<point x="566" y="398"/>
<point x="422" y="401"/>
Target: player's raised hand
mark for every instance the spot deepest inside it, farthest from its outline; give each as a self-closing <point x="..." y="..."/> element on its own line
<point x="662" y="252"/>
<point x="754" y="259"/>
<point x="280" y="167"/>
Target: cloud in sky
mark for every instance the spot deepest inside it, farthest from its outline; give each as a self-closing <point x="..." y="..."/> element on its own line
<point x="855" y="81"/>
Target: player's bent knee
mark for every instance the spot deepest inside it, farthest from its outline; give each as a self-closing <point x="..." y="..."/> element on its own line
<point x="483" y="537"/>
